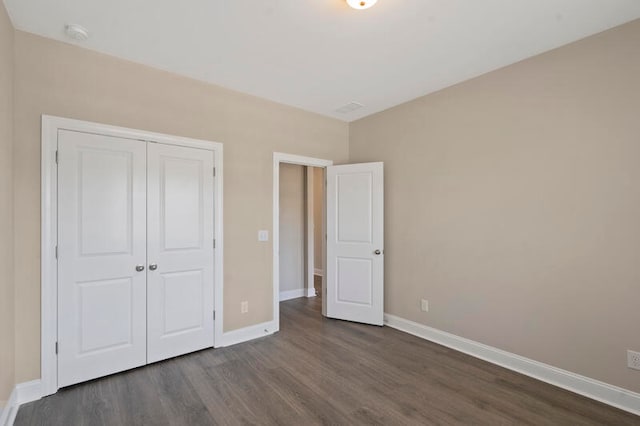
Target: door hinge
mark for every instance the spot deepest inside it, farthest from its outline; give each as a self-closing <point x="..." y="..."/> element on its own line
<point x="56" y="348"/>
<point x="56" y="252"/>
<point x="214" y="172"/>
<point x="214" y="243"/>
<point x="56" y="156"/>
<point x="214" y="315"/>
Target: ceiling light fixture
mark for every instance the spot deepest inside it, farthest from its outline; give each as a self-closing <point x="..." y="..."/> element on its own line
<point x="77" y="32"/>
<point x="361" y="4"/>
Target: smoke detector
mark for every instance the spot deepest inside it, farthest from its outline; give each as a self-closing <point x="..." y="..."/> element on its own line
<point x="76" y="32"/>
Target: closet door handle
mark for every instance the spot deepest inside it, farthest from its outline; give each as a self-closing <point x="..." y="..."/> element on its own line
<point x="153" y="267"/>
<point x="139" y="268"/>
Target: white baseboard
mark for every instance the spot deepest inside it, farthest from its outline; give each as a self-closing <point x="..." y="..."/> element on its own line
<point x="247" y="333"/>
<point x="318" y="272"/>
<point x="609" y="394"/>
<point x="21" y="394"/>
<point x="293" y="294"/>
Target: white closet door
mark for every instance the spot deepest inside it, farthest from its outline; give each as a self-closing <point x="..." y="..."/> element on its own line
<point x="355" y="242"/>
<point x="180" y="250"/>
<point x="101" y="241"/>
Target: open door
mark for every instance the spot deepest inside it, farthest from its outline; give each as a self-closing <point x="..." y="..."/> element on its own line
<point x="355" y="243"/>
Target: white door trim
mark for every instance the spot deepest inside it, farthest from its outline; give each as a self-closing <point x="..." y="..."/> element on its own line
<point x="309" y="289"/>
<point x="279" y="157"/>
<point x="49" y="220"/>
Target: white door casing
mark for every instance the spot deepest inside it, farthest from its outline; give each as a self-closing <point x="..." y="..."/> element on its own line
<point x="355" y="242"/>
<point x="180" y="250"/>
<point x="102" y="238"/>
<point x="279" y="158"/>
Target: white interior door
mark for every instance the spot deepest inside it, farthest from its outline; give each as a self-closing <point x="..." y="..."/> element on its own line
<point x="101" y="243"/>
<point x="180" y="250"/>
<point x="355" y="243"/>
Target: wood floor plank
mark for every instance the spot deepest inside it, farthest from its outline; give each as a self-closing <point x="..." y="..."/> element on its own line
<point x="317" y="371"/>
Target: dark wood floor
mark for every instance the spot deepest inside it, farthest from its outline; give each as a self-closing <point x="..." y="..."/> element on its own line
<point x="319" y="371"/>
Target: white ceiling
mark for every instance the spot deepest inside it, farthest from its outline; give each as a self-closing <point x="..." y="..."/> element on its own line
<point x="320" y="55"/>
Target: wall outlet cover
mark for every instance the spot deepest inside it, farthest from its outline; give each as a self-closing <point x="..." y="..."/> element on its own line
<point x="424" y="305"/>
<point x="263" y="235"/>
<point x="633" y="360"/>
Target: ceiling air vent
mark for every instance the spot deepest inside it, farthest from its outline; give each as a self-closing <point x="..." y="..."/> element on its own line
<point x="76" y="32"/>
<point x="350" y="107"/>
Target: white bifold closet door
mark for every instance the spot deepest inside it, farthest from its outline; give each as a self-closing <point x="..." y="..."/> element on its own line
<point x="135" y="253"/>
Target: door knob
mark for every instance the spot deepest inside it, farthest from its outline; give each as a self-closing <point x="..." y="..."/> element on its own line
<point x="139" y="268"/>
<point x="377" y="252"/>
<point x="153" y="267"/>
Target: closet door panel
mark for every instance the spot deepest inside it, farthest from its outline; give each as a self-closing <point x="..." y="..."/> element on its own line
<point x="101" y="241"/>
<point x="180" y="250"/>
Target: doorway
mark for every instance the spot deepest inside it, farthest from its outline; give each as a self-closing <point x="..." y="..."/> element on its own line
<point x="301" y="272"/>
<point x="301" y="231"/>
<point x="353" y="252"/>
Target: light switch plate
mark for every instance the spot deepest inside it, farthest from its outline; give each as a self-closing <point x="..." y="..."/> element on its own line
<point x="263" y="235"/>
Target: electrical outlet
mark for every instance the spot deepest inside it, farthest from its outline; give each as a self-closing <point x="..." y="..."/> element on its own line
<point x="244" y="307"/>
<point x="263" y="235"/>
<point x="633" y="360"/>
<point x="424" y="305"/>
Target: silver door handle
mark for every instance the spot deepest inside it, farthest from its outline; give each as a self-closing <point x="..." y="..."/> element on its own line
<point x="377" y="252"/>
<point x="139" y="268"/>
<point x="153" y="267"/>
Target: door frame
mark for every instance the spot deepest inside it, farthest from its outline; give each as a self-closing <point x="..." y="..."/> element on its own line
<point x="279" y="158"/>
<point x="310" y="237"/>
<point x="49" y="232"/>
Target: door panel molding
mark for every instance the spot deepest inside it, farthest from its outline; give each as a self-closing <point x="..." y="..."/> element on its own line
<point x="49" y="221"/>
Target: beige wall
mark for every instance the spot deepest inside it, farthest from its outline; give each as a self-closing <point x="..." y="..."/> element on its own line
<point x="512" y="199"/>
<point x="318" y="208"/>
<point x="513" y="206"/>
<point x="292" y="227"/>
<point x="6" y="207"/>
<point x="63" y="80"/>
